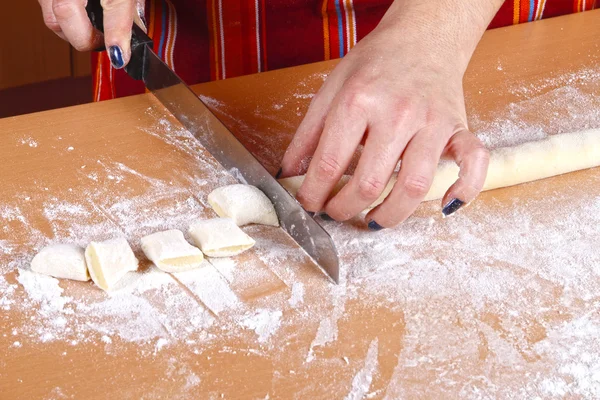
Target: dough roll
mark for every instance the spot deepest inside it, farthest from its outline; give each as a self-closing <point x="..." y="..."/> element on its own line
<point x="555" y="155"/>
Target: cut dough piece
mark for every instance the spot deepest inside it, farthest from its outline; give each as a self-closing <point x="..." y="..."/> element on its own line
<point x="244" y="204"/>
<point x="170" y="252"/>
<point x="555" y="155"/>
<point x="220" y="237"/>
<point x="65" y="261"/>
<point x="109" y="261"/>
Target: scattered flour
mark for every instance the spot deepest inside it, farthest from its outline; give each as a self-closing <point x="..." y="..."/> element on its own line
<point x="513" y="301"/>
<point x="328" y="326"/>
<point x="28" y="141"/>
<point x="264" y="322"/>
<point x="362" y="380"/>
<point x="297" y="296"/>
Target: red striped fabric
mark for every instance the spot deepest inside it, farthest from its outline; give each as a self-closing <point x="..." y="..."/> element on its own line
<point x="206" y="40"/>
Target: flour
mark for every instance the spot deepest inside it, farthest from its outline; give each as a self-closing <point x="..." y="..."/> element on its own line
<point x="264" y="322"/>
<point x="328" y="328"/>
<point x="6" y="294"/>
<point x="210" y="287"/>
<point x="362" y="380"/>
<point x="572" y="346"/>
<point x="515" y="291"/>
<point x="568" y="109"/>
<point x="226" y="267"/>
<point x="28" y="141"/>
<point x="297" y="296"/>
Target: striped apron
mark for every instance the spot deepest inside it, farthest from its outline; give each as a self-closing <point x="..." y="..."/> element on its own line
<point x="205" y="40"/>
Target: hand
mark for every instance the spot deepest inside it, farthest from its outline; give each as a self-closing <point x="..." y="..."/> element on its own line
<point x="69" y="20"/>
<point x="399" y="91"/>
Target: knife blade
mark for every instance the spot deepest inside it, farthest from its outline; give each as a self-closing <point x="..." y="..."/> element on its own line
<point x="205" y="126"/>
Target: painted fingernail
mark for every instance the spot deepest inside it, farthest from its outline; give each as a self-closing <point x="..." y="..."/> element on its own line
<point x="278" y="174"/>
<point x="116" y="57"/>
<point x="453" y="206"/>
<point x="326" y="217"/>
<point x="312" y="214"/>
<point x="374" y="226"/>
<point x="140" y="11"/>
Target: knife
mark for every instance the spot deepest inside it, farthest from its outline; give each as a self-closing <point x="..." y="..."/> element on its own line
<point x="197" y="118"/>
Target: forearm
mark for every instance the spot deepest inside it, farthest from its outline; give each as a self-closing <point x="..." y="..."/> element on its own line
<point x="452" y="28"/>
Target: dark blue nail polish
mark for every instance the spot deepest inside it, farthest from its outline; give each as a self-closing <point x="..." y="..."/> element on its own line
<point x="312" y="214"/>
<point x="278" y="174"/>
<point x="452" y="206"/>
<point x="326" y="217"/>
<point x="116" y="57"/>
<point x="374" y="226"/>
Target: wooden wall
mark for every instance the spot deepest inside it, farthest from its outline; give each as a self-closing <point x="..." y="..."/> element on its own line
<point x="30" y="52"/>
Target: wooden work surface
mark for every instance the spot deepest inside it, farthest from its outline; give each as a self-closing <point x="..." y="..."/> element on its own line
<point x="500" y="301"/>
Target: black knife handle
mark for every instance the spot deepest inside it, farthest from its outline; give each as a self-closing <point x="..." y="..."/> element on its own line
<point x="139" y="40"/>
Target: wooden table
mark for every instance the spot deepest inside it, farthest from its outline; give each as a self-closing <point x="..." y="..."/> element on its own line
<point x="500" y="301"/>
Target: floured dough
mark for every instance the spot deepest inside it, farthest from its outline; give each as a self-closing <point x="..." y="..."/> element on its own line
<point x="109" y="261"/>
<point x="220" y="237"/>
<point x="555" y="155"/>
<point x="244" y="204"/>
<point x="170" y="251"/>
<point x="65" y="261"/>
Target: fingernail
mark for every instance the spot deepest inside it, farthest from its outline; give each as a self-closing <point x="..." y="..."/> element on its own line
<point x="116" y="57"/>
<point x="140" y="12"/>
<point x="312" y="214"/>
<point x="326" y="217"/>
<point x="452" y="206"/>
<point x="278" y="174"/>
<point x="143" y="19"/>
<point x="374" y="226"/>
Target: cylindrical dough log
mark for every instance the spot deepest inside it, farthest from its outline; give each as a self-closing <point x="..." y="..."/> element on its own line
<point x="555" y="155"/>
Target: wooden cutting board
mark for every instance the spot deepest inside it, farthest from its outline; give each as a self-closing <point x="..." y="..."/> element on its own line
<point x="500" y="300"/>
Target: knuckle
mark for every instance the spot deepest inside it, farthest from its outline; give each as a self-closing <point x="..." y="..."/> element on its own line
<point x="370" y="188"/>
<point x="402" y="111"/>
<point x="416" y="186"/>
<point x="80" y="46"/>
<point x="357" y="98"/>
<point x="63" y="9"/>
<point x="481" y="152"/>
<point x="328" y="166"/>
<point x="111" y="4"/>
<point x="52" y="24"/>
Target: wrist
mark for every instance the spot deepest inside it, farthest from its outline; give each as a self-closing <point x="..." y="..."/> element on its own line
<point x="447" y="29"/>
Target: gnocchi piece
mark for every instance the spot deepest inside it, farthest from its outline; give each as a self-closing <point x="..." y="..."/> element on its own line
<point x="109" y="261"/>
<point x="65" y="261"/>
<point x="244" y="204"/>
<point x="220" y="237"/>
<point x="170" y="252"/>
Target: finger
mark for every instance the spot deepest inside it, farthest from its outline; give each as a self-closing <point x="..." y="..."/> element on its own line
<point x="118" y="20"/>
<point x="299" y="152"/>
<point x="49" y="18"/>
<point x="306" y="139"/>
<point x="472" y="158"/>
<point x="419" y="163"/>
<point x="344" y="127"/>
<point x="140" y="16"/>
<point x="75" y="24"/>
<point x="375" y="167"/>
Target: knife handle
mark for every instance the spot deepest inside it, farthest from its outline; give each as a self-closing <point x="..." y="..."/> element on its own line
<point x="139" y="40"/>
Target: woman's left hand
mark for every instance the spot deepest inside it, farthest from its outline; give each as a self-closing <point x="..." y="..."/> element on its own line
<point x="399" y="91"/>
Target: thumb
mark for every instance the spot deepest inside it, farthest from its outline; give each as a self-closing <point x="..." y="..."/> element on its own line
<point x="118" y="20"/>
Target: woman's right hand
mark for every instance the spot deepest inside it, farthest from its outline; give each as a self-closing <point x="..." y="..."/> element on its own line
<point x="69" y="20"/>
